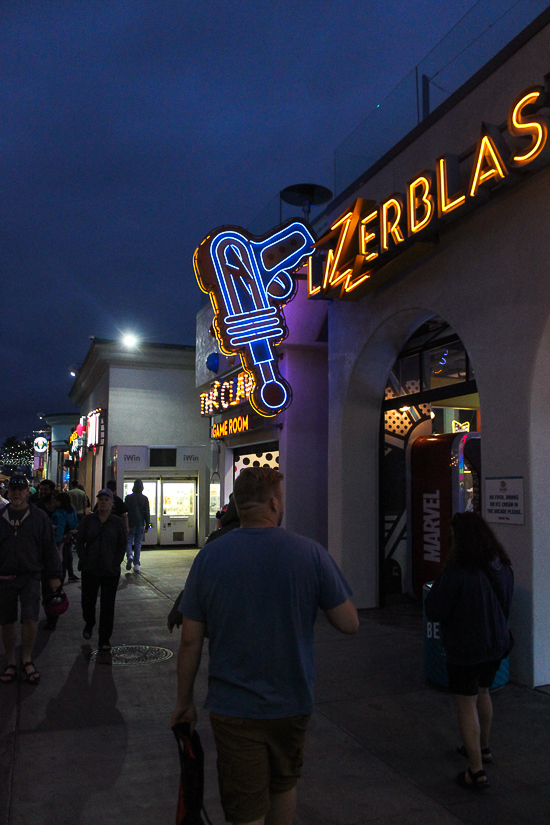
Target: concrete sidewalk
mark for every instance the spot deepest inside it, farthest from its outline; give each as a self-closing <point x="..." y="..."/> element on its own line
<point x="92" y="742"/>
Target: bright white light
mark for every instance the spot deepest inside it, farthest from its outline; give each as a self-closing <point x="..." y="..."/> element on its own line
<point x="73" y="373"/>
<point x="129" y="340"/>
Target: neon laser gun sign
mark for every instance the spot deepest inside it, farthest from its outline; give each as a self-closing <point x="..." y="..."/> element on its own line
<point x="249" y="281"/>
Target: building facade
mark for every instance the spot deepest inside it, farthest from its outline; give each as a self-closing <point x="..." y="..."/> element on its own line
<point x="294" y="440"/>
<point x="140" y="419"/>
<point x="447" y="334"/>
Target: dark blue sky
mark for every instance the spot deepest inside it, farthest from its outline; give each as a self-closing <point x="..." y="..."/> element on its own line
<point x="130" y="129"/>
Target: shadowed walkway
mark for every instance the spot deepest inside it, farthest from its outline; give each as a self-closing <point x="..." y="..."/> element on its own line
<point x="92" y="744"/>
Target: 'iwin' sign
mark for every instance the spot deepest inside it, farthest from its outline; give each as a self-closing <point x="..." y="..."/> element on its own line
<point x="136" y="458"/>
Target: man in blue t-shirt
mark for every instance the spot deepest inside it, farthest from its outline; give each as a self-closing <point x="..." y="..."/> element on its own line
<point x="257" y="590"/>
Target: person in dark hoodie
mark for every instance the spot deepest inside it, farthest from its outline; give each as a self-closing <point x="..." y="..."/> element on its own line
<point x="101" y="546"/>
<point x="471" y="598"/>
<point x="228" y="521"/>
<point x="27" y="551"/>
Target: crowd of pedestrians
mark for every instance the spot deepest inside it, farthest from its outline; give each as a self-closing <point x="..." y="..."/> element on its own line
<point x="39" y="527"/>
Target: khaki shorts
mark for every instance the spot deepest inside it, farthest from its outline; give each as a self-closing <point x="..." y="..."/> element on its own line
<point x="256" y="758"/>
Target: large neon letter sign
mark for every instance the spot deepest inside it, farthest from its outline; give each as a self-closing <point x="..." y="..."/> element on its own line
<point x="249" y="281"/>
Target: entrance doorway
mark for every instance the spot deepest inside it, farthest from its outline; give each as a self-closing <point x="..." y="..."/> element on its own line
<point x="173" y="510"/>
<point x="431" y="394"/>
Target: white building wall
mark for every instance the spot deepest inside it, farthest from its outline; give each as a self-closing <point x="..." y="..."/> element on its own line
<point x="155" y="406"/>
<point x="489" y="279"/>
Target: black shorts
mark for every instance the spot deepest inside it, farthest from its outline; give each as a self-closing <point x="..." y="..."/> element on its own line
<point x="467" y="679"/>
<point x="26" y="590"/>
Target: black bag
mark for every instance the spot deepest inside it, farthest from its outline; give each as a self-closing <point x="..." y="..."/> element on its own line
<point x="191" y="790"/>
<point x="496" y="590"/>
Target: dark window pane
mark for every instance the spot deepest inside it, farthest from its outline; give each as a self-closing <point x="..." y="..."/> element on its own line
<point x="162" y="457"/>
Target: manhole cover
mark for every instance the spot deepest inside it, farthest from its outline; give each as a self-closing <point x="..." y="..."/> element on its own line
<point x="134" y="654"/>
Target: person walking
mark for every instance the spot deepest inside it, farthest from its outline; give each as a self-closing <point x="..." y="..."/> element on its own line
<point x="471" y="598"/>
<point x="119" y="508"/>
<point x="46" y="501"/>
<point x="100" y="545"/>
<point x="78" y="498"/>
<point x="258" y="589"/>
<point x="27" y="552"/>
<point x="65" y="522"/>
<point x="138" y="519"/>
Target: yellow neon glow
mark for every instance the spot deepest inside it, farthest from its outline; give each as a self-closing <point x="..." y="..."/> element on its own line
<point x="331" y="268"/>
<point x="328" y="267"/>
<point x="458" y="427"/>
<point x="415" y="200"/>
<point x="341" y="220"/>
<point x="350" y="285"/>
<point x="487" y="153"/>
<point x="537" y="130"/>
<point x="446" y="203"/>
<point x="367" y="237"/>
<point x="390" y="227"/>
<point x="311" y="290"/>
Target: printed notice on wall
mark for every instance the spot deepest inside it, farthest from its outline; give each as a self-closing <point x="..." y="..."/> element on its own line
<point x="504" y="499"/>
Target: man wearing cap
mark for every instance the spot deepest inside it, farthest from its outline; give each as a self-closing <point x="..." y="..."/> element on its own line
<point x="27" y="551"/>
<point x="101" y="545"/>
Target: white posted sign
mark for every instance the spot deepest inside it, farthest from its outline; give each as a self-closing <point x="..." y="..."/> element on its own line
<point x="504" y="500"/>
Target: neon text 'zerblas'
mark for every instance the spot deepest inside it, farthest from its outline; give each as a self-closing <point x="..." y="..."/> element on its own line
<point x="358" y="251"/>
<point x="249" y="280"/>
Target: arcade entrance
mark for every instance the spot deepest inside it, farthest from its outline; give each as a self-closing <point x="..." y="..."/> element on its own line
<point x="431" y="399"/>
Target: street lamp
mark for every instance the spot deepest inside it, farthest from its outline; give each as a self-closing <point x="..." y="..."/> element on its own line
<point x="130" y="340"/>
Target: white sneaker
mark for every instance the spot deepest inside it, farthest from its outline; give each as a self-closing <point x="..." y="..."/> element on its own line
<point x="136" y="568"/>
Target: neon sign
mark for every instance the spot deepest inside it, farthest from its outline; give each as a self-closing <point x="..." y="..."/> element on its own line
<point x="230" y="393"/>
<point x="249" y="280"/>
<point x="238" y="424"/>
<point x="358" y="249"/>
<point x="40" y="444"/>
<point x="93" y="428"/>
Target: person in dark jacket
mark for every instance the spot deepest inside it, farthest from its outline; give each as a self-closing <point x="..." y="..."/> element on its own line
<point x="100" y="544"/>
<point x="27" y="551"/>
<point x="471" y="598"/>
<point x="138" y="519"/>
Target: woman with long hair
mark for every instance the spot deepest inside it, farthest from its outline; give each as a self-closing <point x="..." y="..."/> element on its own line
<point x="471" y="599"/>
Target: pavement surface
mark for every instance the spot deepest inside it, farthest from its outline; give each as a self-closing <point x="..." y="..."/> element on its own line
<point x="92" y="742"/>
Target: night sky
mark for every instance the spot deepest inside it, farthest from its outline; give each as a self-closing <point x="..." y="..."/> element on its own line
<point x="128" y="130"/>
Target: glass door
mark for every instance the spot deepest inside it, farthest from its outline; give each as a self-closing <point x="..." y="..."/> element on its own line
<point x="178" y="518"/>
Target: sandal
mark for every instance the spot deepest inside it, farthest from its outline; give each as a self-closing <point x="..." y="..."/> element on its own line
<point x="486" y="753"/>
<point x="33" y="676"/>
<point x="474" y="784"/>
<point x="9" y="675"/>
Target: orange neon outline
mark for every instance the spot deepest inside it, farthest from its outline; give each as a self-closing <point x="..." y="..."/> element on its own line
<point x="394" y="229"/>
<point x="365" y="238"/>
<point x="350" y="285"/>
<point x="413" y="202"/>
<point x="444" y="203"/>
<point x="333" y="260"/>
<point x="486" y="147"/>
<point x="516" y="125"/>
<point x="311" y="290"/>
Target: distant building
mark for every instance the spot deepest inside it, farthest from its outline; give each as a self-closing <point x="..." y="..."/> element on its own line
<point x="140" y="418"/>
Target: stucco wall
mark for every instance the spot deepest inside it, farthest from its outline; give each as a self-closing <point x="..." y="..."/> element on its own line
<point x="489" y="279"/>
<point x="155" y="406"/>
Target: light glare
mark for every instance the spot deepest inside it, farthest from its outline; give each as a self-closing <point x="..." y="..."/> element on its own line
<point x="129" y="340"/>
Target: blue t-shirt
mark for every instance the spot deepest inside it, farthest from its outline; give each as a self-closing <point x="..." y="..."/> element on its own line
<point x="258" y="590"/>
